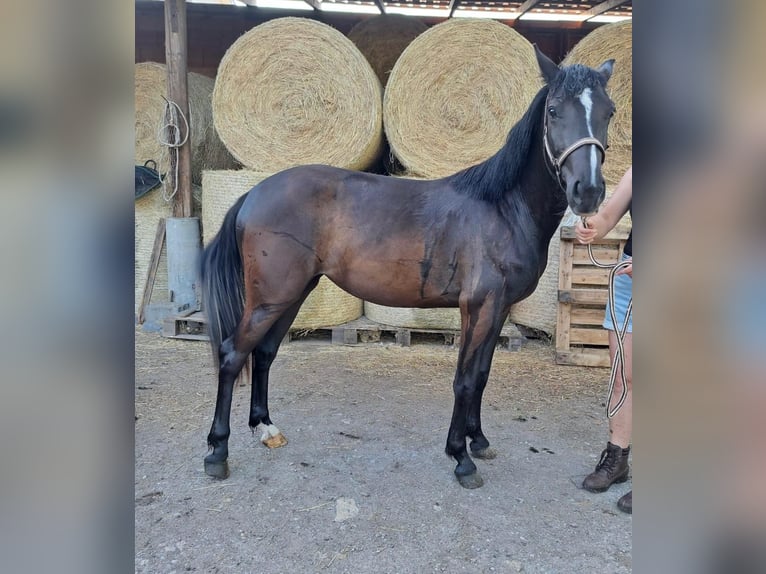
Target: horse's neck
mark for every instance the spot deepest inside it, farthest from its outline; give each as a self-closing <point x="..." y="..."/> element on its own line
<point x="541" y="194"/>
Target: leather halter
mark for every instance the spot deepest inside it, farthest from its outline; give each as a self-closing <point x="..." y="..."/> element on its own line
<point x="557" y="162"/>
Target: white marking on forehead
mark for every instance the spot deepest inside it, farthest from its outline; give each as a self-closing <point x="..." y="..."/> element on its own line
<point x="587" y="104"/>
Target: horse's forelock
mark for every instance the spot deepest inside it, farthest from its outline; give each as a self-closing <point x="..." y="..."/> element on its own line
<point x="575" y="78"/>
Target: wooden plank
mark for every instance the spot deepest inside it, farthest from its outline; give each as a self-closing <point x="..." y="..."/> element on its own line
<point x="188" y="336"/>
<point x="197" y="316"/>
<point x="344" y="336"/>
<point x="584" y="358"/>
<point x="583" y="296"/>
<point x="603" y="254"/>
<point x="565" y="264"/>
<point x="563" y="323"/>
<point x="590" y="276"/>
<point x="565" y="283"/>
<point x="593" y="316"/>
<point x="586" y="336"/>
<point x="613" y="237"/>
<point x="403" y="337"/>
<point x="154" y="264"/>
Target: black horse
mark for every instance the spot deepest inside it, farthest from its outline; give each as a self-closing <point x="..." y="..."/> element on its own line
<point x="477" y="240"/>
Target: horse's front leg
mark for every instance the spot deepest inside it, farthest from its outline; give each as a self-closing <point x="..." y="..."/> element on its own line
<point x="479" y="442"/>
<point x="481" y="323"/>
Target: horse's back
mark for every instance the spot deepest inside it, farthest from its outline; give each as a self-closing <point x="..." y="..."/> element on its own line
<point x="325" y="195"/>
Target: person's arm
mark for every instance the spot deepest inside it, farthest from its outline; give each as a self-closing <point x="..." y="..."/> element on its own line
<point x="605" y="220"/>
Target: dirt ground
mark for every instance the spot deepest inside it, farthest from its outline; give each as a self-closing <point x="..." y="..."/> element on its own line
<point x="364" y="484"/>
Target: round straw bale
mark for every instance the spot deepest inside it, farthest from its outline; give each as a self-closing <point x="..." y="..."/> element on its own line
<point x="413" y="318"/>
<point x="455" y="93"/>
<point x="383" y="38"/>
<point x="149" y="209"/>
<point x="207" y="150"/>
<point x="327" y="305"/>
<point x="613" y="41"/>
<point x="295" y="91"/>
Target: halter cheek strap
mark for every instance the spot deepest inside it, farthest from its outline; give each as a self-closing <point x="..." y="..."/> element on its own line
<point x="557" y="162"/>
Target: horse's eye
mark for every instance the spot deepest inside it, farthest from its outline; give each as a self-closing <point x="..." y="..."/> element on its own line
<point x="552" y="112"/>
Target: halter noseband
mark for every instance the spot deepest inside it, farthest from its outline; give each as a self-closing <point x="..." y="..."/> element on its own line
<point x="557" y="162"/>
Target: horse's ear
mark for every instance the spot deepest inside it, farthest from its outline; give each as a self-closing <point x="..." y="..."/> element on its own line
<point x="606" y="69"/>
<point x="547" y="67"/>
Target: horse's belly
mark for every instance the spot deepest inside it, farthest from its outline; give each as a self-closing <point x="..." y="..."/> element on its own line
<point x="400" y="283"/>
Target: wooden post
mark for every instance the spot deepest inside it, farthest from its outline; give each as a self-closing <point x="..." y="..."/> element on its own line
<point x="176" y="61"/>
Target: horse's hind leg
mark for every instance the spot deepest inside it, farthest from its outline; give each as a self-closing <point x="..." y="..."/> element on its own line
<point x="232" y="356"/>
<point x="263" y="356"/>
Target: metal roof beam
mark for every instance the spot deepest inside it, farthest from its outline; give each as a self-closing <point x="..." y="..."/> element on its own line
<point x="603" y="7"/>
<point x="527" y="6"/>
<point x="453" y="4"/>
<point x="380" y="6"/>
<point x="314" y="4"/>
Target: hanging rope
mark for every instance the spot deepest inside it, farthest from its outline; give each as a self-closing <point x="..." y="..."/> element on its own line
<point x="618" y="356"/>
<point x="171" y="137"/>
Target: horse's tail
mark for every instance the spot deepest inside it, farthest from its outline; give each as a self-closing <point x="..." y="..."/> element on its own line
<point x="222" y="281"/>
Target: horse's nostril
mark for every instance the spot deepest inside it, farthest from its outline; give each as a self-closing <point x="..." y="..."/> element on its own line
<point x="576" y="192"/>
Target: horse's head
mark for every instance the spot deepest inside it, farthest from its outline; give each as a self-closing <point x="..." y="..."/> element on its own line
<point x="577" y="114"/>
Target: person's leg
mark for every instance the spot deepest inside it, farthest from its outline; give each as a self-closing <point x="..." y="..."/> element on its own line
<point x="621" y="424"/>
<point x="613" y="466"/>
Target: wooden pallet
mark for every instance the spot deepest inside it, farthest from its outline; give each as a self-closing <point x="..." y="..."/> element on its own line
<point x="582" y="296"/>
<point x="193" y="325"/>
<point x="365" y="331"/>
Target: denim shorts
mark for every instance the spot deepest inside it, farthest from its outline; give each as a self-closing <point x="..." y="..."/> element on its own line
<point x="623" y="293"/>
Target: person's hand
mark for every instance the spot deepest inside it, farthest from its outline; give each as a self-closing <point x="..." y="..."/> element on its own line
<point x="584" y="234"/>
<point x="627" y="270"/>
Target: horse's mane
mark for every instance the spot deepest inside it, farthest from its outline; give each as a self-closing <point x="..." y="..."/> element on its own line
<point x="491" y="179"/>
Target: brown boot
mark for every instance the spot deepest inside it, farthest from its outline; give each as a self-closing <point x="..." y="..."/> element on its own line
<point x="626" y="503"/>
<point x="611" y="469"/>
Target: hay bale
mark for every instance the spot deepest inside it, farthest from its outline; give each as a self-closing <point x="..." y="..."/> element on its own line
<point x="327" y="305"/>
<point x="413" y="318"/>
<point x="207" y="150"/>
<point x="221" y="190"/>
<point x="149" y="209"/>
<point x="295" y="91"/>
<point x="383" y="38"/>
<point x="605" y="42"/>
<point x="455" y="93"/>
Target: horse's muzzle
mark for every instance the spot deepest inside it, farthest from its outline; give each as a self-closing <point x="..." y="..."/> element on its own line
<point x="584" y="200"/>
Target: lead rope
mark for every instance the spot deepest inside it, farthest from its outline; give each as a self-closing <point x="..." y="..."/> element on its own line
<point x="618" y="356"/>
<point x="169" y="137"/>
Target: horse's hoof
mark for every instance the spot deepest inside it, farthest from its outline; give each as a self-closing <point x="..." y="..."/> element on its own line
<point x="272" y="437"/>
<point x="484" y="453"/>
<point x="470" y="481"/>
<point x="218" y="469"/>
<point x="275" y="441"/>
